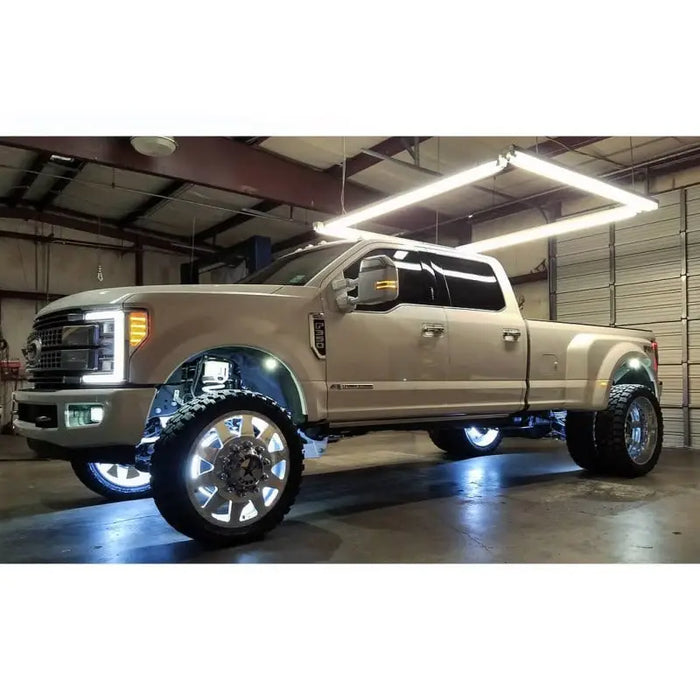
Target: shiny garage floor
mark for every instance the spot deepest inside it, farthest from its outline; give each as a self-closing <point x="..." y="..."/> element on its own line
<point x="386" y="497"/>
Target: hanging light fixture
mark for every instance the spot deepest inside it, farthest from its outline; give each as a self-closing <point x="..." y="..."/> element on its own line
<point x="631" y="203"/>
<point x="419" y="194"/>
<point x="556" y="228"/>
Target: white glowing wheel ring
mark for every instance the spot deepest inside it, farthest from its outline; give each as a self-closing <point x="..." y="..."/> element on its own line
<point x="482" y="437"/>
<point x="125" y="476"/>
<point x="237" y="469"/>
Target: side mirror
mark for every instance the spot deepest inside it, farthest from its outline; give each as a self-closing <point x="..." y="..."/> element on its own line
<point x="377" y="283"/>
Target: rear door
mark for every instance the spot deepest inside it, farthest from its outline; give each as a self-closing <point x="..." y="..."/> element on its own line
<point x="487" y="339"/>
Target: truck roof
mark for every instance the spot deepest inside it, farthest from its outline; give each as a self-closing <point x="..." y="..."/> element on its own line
<point x="407" y="243"/>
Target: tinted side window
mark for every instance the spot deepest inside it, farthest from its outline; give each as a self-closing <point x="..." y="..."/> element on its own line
<point x="415" y="281"/>
<point x="471" y="284"/>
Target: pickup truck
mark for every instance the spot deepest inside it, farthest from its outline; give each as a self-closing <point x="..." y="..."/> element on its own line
<point x="209" y="397"/>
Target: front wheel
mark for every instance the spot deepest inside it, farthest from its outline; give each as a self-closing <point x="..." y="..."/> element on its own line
<point x="115" y="482"/>
<point x="227" y="467"/>
<point x="462" y="443"/>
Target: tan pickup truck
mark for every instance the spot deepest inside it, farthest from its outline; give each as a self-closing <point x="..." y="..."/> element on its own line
<point x="210" y="396"/>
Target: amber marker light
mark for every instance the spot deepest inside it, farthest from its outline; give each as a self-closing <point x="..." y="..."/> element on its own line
<point x="138" y="328"/>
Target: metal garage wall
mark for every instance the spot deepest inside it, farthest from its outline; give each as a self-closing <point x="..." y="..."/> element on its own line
<point x="583" y="277"/>
<point x="633" y="274"/>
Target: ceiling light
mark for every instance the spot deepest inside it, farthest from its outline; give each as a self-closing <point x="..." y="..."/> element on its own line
<point x="350" y="234"/>
<point x="557" y="228"/>
<point x="433" y="189"/>
<point x="570" y="177"/>
<point x="341" y="227"/>
<point x="154" y="146"/>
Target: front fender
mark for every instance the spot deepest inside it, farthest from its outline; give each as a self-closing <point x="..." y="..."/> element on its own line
<point x="274" y="324"/>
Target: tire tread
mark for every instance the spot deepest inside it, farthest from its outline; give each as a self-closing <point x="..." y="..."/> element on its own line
<point x="172" y="500"/>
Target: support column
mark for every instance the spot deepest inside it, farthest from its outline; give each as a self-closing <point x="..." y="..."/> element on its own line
<point x="685" y="340"/>
<point x="259" y="253"/>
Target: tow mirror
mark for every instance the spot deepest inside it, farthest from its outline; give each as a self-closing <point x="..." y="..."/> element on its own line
<point x="377" y="283"/>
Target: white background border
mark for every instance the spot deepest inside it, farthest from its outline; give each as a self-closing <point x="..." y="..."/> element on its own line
<point x="304" y="68"/>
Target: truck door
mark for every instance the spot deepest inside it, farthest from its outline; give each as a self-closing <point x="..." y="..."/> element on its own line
<point x="388" y="361"/>
<point x="487" y="337"/>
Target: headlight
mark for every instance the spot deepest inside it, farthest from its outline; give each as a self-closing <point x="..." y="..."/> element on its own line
<point x="112" y="351"/>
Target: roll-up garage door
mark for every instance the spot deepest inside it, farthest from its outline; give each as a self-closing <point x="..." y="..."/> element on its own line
<point x="631" y="274"/>
<point x="692" y="227"/>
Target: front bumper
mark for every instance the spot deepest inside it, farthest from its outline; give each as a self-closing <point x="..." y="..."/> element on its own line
<point x="123" y="422"/>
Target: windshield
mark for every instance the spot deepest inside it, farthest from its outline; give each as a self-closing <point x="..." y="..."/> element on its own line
<point x="298" y="268"/>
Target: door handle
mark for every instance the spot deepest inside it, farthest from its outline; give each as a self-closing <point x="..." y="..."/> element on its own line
<point x="510" y="335"/>
<point x="433" y="330"/>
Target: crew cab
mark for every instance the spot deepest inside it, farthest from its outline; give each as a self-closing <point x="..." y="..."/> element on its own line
<point x="210" y="396"/>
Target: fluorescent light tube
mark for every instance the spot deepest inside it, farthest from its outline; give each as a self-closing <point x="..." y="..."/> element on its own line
<point x="569" y="177"/>
<point x="350" y="234"/>
<point x="556" y="228"/>
<point x="433" y="189"/>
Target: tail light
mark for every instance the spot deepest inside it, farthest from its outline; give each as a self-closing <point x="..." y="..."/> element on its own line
<point x="655" y="352"/>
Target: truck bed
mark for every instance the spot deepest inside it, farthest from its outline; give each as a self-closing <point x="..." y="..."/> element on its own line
<point x="569" y="361"/>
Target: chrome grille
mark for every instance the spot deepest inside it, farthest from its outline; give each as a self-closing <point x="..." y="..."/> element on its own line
<point x="49" y="360"/>
<point x="50" y="337"/>
<point x="61" y="348"/>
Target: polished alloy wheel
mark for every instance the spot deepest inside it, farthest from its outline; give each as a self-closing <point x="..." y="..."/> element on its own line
<point x="123" y="475"/>
<point x="238" y="468"/>
<point x="481" y="437"/>
<point x="641" y="430"/>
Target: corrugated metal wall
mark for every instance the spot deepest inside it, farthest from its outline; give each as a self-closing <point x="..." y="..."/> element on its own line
<point x="636" y="273"/>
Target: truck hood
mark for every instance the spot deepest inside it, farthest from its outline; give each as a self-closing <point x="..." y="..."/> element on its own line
<point x="121" y="295"/>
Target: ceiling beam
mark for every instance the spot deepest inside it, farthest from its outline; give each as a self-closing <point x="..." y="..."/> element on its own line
<point x="28" y="178"/>
<point x="251" y="140"/>
<point x="77" y="221"/>
<point x="60" y="184"/>
<point x="29" y="296"/>
<point x="62" y="240"/>
<point x="235" y="220"/>
<point x="557" y="145"/>
<point x="389" y="147"/>
<point x="359" y="162"/>
<point x="155" y="202"/>
<point x="225" y="164"/>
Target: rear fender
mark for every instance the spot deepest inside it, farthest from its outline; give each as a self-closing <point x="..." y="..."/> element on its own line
<point x="622" y="361"/>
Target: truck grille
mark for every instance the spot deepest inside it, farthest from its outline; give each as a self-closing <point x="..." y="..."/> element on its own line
<point x="60" y="349"/>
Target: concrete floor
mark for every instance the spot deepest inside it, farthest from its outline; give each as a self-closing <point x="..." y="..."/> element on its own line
<point x="387" y="497"/>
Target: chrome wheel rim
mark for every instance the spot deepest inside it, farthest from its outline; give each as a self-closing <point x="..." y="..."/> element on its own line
<point x="481" y="437"/>
<point x="641" y="430"/>
<point x="125" y="476"/>
<point x="237" y="469"/>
